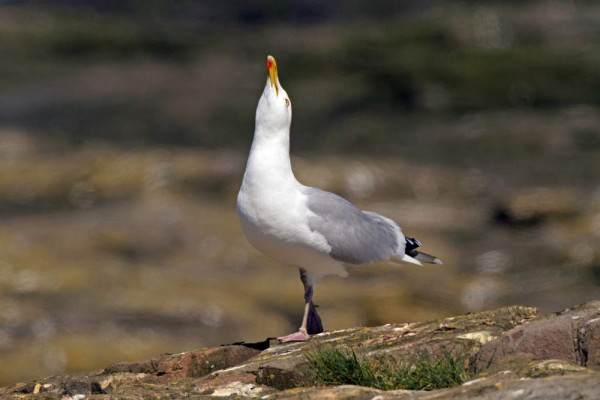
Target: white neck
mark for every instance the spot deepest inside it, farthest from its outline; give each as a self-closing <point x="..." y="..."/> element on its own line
<point x="269" y="161"/>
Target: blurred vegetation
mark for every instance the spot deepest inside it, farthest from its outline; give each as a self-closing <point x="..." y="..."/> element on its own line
<point x="398" y="78"/>
<point x="124" y="127"/>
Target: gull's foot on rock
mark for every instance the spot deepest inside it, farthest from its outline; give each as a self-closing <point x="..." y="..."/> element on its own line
<point x="300" y="336"/>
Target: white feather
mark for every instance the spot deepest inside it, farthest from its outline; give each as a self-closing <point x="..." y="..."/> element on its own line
<point x="407" y="259"/>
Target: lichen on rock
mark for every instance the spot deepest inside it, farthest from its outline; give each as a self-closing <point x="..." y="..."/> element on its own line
<point x="556" y="353"/>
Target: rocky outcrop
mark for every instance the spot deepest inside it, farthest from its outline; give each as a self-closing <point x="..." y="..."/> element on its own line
<point x="513" y="352"/>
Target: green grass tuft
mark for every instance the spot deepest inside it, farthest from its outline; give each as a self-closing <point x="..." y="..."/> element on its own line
<point x="339" y="366"/>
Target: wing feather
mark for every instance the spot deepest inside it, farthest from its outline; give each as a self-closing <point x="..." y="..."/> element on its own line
<point x="355" y="236"/>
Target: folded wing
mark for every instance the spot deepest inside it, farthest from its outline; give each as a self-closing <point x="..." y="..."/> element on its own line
<point x="355" y="236"/>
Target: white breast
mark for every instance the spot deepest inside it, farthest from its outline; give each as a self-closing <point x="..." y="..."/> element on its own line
<point x="275" y="222"/>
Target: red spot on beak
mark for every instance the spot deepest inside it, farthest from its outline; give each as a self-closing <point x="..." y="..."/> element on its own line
<point x="269" y="64"/>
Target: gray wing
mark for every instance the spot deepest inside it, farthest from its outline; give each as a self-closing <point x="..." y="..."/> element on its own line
<point x="355" y="236"/>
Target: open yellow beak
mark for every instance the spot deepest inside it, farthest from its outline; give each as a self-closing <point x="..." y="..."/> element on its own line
<point x="272" y="68"/>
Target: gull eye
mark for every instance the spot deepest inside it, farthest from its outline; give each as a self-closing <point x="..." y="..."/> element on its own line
<point x="287" y="102"/>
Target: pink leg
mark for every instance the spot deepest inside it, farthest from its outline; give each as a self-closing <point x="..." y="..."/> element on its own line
<point x="310" y="312"/>
<point x="301" y="335"/>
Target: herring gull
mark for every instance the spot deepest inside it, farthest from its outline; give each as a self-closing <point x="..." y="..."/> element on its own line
<point x="304" y="227"/>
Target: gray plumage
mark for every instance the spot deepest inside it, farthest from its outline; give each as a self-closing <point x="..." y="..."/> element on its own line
<point x="355" y="236"/>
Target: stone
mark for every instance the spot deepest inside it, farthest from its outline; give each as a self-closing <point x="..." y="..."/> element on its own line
<point x="512" y="352"/>
<point x="325" y="393"/>
<point x="588" y="338"/>
<point x="554" y="367"/>
<point x="193" y="364"/>
<point x="569" y="336"/>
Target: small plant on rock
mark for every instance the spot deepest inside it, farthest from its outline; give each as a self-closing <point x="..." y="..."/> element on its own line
<point x="423" y="371"/>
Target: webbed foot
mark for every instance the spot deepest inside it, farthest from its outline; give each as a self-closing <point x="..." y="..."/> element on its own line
<point x="300" y="336"/>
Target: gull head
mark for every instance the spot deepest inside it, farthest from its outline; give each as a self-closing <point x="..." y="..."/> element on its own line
<point x="274" y="111"/>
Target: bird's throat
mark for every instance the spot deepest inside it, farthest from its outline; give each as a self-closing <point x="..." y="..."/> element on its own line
<point x="269" y="161"/>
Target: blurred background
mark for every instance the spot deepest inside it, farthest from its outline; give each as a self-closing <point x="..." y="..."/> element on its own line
<point x="125" y="127"/>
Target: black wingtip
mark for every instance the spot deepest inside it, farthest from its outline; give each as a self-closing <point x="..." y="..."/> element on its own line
<point x="411" y="244"/>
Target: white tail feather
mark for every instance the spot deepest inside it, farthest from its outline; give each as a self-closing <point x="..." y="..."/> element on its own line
<point x="428" y="258"/>
<point x="407" y="259"/>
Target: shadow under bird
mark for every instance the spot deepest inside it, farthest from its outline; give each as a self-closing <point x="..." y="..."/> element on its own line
<point x="304" y="227"/>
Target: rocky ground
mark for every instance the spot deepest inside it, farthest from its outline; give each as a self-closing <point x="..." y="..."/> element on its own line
<point x="513" y="352"/>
